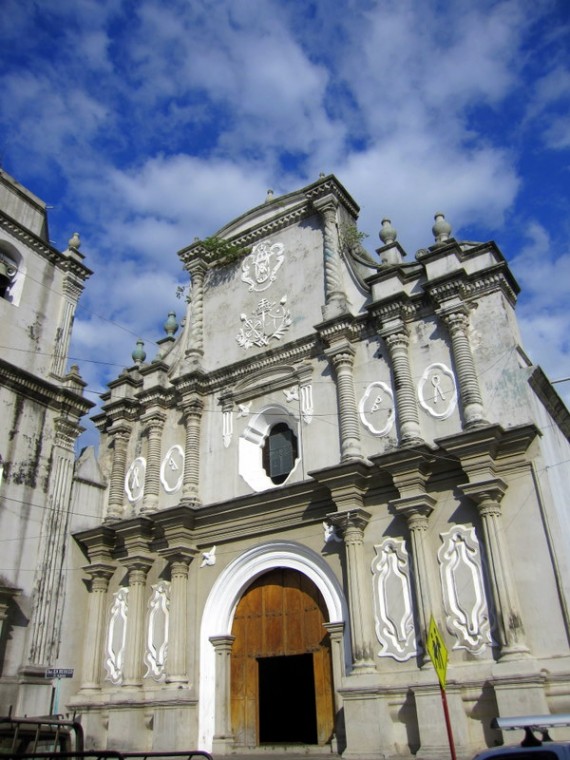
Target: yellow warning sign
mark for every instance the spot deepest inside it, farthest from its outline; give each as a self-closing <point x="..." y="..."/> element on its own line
<point x="437" y="651"/>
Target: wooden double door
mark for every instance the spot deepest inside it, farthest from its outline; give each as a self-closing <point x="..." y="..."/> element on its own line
<point x="281" y="676"/>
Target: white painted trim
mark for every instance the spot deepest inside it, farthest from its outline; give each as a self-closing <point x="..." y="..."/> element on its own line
<point x="219" y="610"/>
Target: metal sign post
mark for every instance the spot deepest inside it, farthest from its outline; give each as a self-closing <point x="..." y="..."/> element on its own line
<point x="437" y="651"/>
<point x="57" y="674"/>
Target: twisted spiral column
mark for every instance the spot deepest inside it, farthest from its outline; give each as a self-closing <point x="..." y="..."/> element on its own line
<point x="458" y="323"/>
<point x="154" y="424"/>
<point x="343" y="362"/>
<point x="408" y="418"/>
<point x="192" y="407"/>
<point x="121" y="434"/>
<point x="197" y="272"/>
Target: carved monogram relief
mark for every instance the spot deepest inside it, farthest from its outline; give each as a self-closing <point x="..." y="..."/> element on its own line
<point x="437" y="391"/>
<point x="157" y="631"/>
<point x="303" y="394"/>
<point x="393" y="605"/>
<point x="134" y="480"/>
<point x="376" y="408"/>
<point x="465" y="603"/>
<point x="172" y="469"/>
<point x="269" y="321"/>
<point x="259" y="269"/>
<point x="117" y="637"/>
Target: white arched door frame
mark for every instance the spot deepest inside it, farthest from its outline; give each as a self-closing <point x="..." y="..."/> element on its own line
<point x="219" y="610"/>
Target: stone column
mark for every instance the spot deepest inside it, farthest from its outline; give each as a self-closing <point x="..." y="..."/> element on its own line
<point x="417" y="520"/>
<point x="95" y="625"/>
<point x="397" y="340"/>
<point x="71" y="291"/>
<point x="457" y="322"/>
<point x="121" y="433"/>
<point x="192" y="406"/>
<point x="352" y="525"/>
<point x="197" y="269"/>
<point x="134" y="649"/>
<point x="336" y="633"/>
<point x="222" y="718"/>
<point x="487" y="497"/>
<point x="335" y="297"/>
<point x="176" y="663"/>
<point x="49" y="585"/>
<point x="342" y="359"/>
<point x="154" y="424"/>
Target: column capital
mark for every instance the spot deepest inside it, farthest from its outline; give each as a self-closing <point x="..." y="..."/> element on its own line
<point x="326" y="203"/>
<point x="154" y="420"/>
<point x="351" y="519"/>
<point x="485" y="492"/>
<point x="98" y="544"/>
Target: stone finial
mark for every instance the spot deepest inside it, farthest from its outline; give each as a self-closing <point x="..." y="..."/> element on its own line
<point x="139" y="354"/>
<point x="171" y="325"/>
<point x="387" y="233"/>
<point x="269" y="196"/>
<point x="441" y="229"/>
<point x="75" y="241"/>
<point x="322" y="175"/>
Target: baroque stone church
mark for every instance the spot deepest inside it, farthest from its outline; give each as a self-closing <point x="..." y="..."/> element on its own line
<point x="330" y="454"/>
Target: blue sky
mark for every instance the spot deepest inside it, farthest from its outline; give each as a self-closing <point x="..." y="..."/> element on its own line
<point x="147" y="123"/>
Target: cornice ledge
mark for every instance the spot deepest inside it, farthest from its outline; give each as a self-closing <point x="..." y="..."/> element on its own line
<point x="492" y="440"/>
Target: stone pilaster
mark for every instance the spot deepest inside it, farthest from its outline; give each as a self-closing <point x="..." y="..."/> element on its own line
<point x="177" y="529"/>
<point x="192" y="406"/>
<point x="154" y="424"/>
<point x="487" y="496"/>
<point x="336" y="633"/>
<point x="100" y="574"/>
<point x="352" y="525"/>
<point x="410" y="470"/>
<point x="480" y="452"/>
<point x="49" y="594"/>
<point x="341" y="356"/>
<point x="72" y="289"/>
<point x="134" y="649"/>
<point x="135" y="535"/>
<point x="397" y="341"/>
<point x="222" y="721"/>
<point x="457" y="322"/>
<point x="120" y="433"/>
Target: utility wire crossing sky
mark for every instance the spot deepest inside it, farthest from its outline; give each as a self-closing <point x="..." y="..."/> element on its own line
<point x="147" y="123"/>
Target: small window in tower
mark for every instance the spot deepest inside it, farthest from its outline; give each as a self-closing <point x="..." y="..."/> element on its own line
<point x="279" y="452"/>
<point x="8" y="270"/>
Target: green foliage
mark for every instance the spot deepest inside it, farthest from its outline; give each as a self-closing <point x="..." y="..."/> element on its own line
<point x="350" y="237"/>
<point x="222" y="251"/>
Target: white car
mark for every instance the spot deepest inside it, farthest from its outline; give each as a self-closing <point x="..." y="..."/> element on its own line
<point x="533" y="746"/>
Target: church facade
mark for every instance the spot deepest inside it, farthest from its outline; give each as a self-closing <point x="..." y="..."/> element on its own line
<point x="332" y="455"/>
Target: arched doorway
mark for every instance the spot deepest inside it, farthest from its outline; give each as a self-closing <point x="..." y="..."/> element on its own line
<point x="281" y="676"/>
